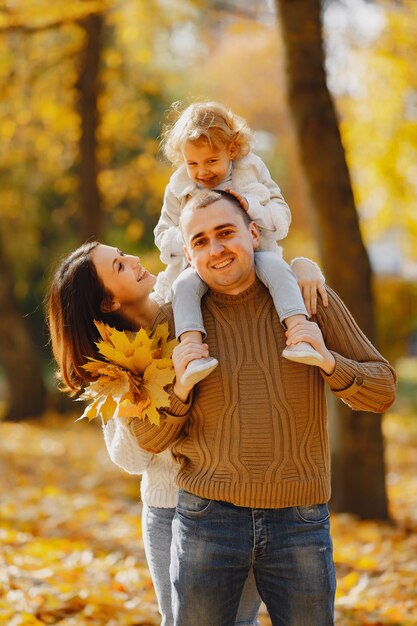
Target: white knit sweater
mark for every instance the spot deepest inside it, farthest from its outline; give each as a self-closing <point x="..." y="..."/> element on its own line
<point x="158" y="471"/>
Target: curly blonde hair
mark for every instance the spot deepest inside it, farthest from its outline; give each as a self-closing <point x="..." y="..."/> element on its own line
<point x="207" y="121"/>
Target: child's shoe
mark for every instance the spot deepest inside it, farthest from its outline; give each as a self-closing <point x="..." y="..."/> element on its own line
<point x="302" y="353"/>
<point x="197" y="370"/>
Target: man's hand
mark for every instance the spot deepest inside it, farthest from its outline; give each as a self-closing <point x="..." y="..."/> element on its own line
<point x="310" y="332"/>
<point x="311" y="281"/>
<point x="186" y="351"/>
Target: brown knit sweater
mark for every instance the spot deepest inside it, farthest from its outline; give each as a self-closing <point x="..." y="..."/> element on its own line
<point x="256" y="432"/>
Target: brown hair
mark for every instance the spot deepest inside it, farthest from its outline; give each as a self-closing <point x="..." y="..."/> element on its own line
<point x="208" y="121"/>
<point x="73" y="303"/>
<point x="206" y="197"/>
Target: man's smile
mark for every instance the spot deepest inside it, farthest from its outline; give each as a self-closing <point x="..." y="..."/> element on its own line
<point x="221" y="264"/>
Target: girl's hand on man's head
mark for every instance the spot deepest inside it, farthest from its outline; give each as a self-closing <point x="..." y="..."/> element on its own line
<point x="241" y="199"/>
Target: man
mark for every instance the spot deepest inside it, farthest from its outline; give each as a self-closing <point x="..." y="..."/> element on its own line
<point x="253" y="450"/>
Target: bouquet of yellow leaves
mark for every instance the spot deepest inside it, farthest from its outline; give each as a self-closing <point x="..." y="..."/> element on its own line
<point x="132" y="375"/>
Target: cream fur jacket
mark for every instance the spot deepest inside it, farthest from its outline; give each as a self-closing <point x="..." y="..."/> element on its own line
<point x="267" y="207"/>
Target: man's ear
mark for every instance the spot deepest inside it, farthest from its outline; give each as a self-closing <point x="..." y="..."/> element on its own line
<point x="254" y="231"/>
<point x="187" y="255"/>
<point x="109" y="306"/>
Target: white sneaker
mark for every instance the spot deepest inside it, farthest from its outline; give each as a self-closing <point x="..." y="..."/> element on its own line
<point x="197" y="370"/>
<point x="302" y="353"/>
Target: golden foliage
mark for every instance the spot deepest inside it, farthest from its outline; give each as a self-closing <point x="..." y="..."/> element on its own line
<point x="131" y="378"/>
<point x="70" y="536"/>
<point x="379" y="130"/>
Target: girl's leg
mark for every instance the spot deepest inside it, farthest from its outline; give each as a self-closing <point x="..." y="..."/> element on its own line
<point x="282" y="284"/>
<point x="187" y="291"/>
<point x="157" y="536"/>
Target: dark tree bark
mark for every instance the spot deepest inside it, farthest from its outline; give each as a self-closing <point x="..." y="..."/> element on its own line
<point x="357" y="443"/>
<point x="88" y="85"/>
<point x="18" y="355"/>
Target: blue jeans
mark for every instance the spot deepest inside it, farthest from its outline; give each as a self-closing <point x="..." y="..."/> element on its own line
<point x="274" y="272"/>
<point x="215" y="544"/>
<point x="157" y="536"/>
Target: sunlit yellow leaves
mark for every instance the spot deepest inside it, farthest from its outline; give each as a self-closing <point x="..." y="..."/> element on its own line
<point x="135" y="230"/>
<point x="376" y="572"/>
<point x="379" y="131"/>
<point x="131" y="380"/>
<point x="42" y="47"/>
<point x="39" y="13"/>
<point x="80" y="558"/>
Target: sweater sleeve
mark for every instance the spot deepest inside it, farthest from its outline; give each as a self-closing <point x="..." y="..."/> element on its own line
<point x="362" y="378"/>
<point x="123" y="448"/>
<point x="267" y="206"/>
<point x="168" y="236"/>
<point x="156" y="438"/>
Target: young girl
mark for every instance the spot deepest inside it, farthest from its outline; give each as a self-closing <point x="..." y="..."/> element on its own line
<point x="211" y="148"/>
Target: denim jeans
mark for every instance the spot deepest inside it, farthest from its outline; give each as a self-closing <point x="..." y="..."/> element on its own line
<point x="215" y="544"/>
<point x="157" y="536"/>
<point x="274" y="272"/>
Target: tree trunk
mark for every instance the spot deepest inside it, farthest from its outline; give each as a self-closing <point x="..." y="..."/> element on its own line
<point x="18" y="356"/>
<point x="357" y="445"/>
<point x="87" y="85"/>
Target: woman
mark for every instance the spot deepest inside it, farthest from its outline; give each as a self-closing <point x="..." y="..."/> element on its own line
<point x="99" y="282"/>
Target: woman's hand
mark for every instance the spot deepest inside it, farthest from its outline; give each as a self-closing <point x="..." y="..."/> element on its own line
<point x="311" y="281"/>
<point x="186" y="351"/>
<point x="304" y="330"/>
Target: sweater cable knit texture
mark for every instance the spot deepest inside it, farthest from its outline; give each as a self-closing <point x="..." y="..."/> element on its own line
<point x="256" y="431"/>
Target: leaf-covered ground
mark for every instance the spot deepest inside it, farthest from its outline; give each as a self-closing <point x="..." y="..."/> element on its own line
<point x="71" y="552"/>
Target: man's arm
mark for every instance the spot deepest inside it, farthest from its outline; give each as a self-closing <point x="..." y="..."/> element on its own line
<point x="353" y="368"/>
<point x="156" y="438"/>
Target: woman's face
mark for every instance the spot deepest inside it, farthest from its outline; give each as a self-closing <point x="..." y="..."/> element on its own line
<point x="122" y="275"/>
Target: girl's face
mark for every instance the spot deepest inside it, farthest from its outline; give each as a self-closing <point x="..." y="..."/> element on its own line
<point x="122" y="275"/>
<point x="207" y="166"/>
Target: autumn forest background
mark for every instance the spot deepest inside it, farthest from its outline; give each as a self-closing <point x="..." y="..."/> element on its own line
<point x="330" y="90"/>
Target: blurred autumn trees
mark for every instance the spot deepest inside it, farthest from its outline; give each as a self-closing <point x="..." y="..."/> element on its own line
<point x="88" y="92"/>
<point x="79" y="128"/>
<point x="357" y="444"/>
<point x="18" y="353"/>
<point x="85" y="85"/>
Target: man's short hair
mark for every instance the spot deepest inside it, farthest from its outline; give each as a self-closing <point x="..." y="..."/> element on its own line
<point x="206" y="197"/>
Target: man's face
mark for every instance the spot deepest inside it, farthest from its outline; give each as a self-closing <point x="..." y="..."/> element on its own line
<point x="219" y="244"/>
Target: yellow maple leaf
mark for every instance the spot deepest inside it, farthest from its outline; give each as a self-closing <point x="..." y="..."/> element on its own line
<point x="130" y="381"/>
<point x="131" y="409"/>
<point x="155" y="380"/>
<point x="161" y="346"/>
